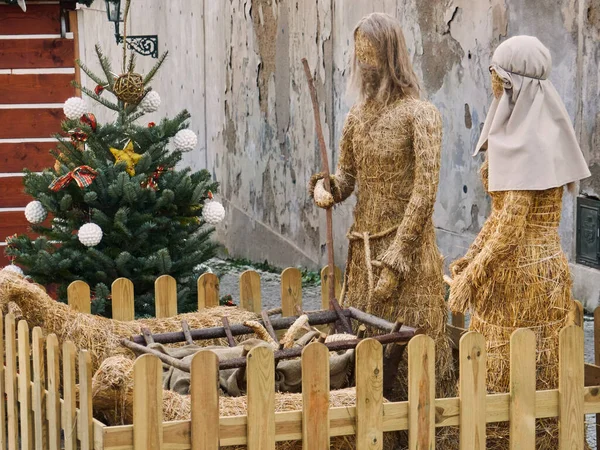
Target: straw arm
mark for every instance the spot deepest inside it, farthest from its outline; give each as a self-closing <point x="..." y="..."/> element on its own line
<point x="427" y="138"/>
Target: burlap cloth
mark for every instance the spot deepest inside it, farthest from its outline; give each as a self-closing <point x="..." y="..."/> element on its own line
<point x="288" y="373"/>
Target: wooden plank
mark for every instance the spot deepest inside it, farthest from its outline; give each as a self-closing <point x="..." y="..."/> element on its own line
<point x="123" y="307"/>
<point x="26" y="412"/>
<point x="53" y="395"/>
<point x="325" y="285"/>
<point x="421" y="393"/>
<point x="12" y="194"/>
<point x="522" y="390"/>
<point x="205" y="401"/>
<point x="208" y="291"/>
<point x="34" y="156"/>
<point x="3" y="399"/>
<point x="30" y="122"/>
<point x="250" y="297"/>
<point x="369" y="395"/>
<point x="39" y="389"/>
<point x="315" y="397"/>
<point x="261" y="399"/>
<point x="35" y="88"/>
<point x="576" y="313"/>
<point x="570" y="388"/>
<point x="472" y="391"/>
<point x="291" y="292"/>
<point x="165" y="288"/>
<point x="78" y="297"/>
<point x="147" y="403"/>
<point x="39" y="19"/>
<point x="11" y="383"/>
<point x="12" y="222"/>
<point x="36" y="53"/>
<point x="458" y="320"/>
<point x="74" y="27"/>
<point x="69" y="423"/>
<point x="86" y="419"/>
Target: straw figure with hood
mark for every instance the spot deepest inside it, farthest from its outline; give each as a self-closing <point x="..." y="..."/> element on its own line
<point x="515" y="274"/>
<point x="390" y="153"/>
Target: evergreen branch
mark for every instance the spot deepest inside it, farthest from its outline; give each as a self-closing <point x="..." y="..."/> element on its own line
<point x="131" y="66"/>
<point x="106" y="67"/>
<point x="90" y="74"/>
<point x="136" y="116"/>
<point x="154" y="69"/>
<point x="92" y="94"/>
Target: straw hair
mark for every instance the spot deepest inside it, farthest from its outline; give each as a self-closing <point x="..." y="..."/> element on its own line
<point x="112" y="396"/>
<point x="101" y="336"/>
<point x="393" y="76"/>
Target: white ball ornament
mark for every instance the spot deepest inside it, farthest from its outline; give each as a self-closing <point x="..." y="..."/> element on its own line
<point x="151" y="102"/>
<point x="185" y="140"/>
<point x="213" y="212"/>
<point x="74" y="108"/>
<point x="35" y="212"/>
<point x="90" y="234"/>
<point x="14" y="269"/>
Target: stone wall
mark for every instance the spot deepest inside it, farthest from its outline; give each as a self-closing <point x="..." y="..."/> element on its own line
<point x="236" y="66"/>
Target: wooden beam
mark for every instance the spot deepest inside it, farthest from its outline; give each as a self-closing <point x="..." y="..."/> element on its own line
<point x="34" y="156"/>
<point x="39" y="19"/>
<point x="21" y="123"/>
<point x="36" y="88"/>
<point x="36" y="53"/>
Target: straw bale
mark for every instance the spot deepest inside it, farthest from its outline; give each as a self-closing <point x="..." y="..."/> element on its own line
<point x="99" y="335"/>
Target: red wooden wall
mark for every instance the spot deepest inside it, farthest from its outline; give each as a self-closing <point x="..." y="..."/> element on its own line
<point x="36" y="69"/>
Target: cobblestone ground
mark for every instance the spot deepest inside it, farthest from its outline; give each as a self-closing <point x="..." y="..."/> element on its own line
<point x="311" y="299"/>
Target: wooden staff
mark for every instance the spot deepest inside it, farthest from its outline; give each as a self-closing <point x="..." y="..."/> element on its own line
<point x="326" y="180"/>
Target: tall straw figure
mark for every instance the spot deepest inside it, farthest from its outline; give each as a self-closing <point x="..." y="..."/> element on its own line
<point x="390" y="154"/>
<point x="515" y="273"/>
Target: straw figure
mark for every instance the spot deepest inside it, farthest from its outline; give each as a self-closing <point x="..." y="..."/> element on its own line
<point x="101" y="336"/>
<point x="390" y="151"/>
<point x="515" y="274"/>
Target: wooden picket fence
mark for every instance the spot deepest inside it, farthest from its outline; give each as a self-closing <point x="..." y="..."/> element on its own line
<point x="165" y="289"/>
<point x="34" y="414"/>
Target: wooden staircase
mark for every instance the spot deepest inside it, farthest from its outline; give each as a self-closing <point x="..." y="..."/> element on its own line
<point x="36" y="69"/>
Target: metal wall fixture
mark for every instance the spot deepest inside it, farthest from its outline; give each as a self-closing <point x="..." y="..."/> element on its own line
<point x="146" y="45"/>
<point x="588" y="232"/>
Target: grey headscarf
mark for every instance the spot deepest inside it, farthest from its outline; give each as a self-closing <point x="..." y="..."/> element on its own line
<point x="528" y="132"/>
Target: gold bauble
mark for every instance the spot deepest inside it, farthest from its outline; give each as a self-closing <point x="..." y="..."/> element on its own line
<point x="129" y="87"/>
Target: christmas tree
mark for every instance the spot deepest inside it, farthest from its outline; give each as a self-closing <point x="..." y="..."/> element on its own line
<point x="115" y="205"/>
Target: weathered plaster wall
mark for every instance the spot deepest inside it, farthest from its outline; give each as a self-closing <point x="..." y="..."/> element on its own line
<point x="236" y="65"/>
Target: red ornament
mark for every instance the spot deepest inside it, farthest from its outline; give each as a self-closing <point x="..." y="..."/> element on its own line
<point x="151" y="125"/>
<point x="90" y="119"/>
<point x="98" y="90"/>
<point x="152" y="182"/>
<point x="78" y="135"/>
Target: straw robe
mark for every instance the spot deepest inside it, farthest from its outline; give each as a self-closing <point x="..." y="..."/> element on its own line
<point x="516" y="275"/>
<point x="391" y="154"/>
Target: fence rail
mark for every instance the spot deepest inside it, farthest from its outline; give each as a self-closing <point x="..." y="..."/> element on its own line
<point x="35" y="414"/>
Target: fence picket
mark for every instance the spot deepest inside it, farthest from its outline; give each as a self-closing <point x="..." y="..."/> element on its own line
<point x="78" y="297"/>
<point x="369" y="395"/>
<point x="570" y="389"/>
<point x="315" y="397"/>
<point x="522" y="390"/>
<point x="85" y="423"/>
<point x="70" y="396"/>
<point x="576" y="313"/>
<point x="205" y="401"/>
<point x="472" y="391"/>
<point x="147" y="403"/>
<point x="3" y="442"/>
<point x="11" y="383"/>
<point x="122" y="300"/>
<point x="25" y="410"/>
<point x="597" y="354"/>
<point x="250" y="297"/>
<point x="337" y="273"/>
<point x="261" y="399"/>
<point x="421" y="393"/>
<point x="291" y="292"/>
<point x="165" y="288"/>
<point x="38" y="394"/>
<point x="53" y="398"/>
<point x="208" y="291"/>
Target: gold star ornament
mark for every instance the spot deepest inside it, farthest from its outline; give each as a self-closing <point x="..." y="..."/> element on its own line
<point x="128" y="156"/>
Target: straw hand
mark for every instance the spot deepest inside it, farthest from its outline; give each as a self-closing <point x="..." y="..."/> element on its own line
<point x="386" y="285"/>
<point x="323" y="199"/>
